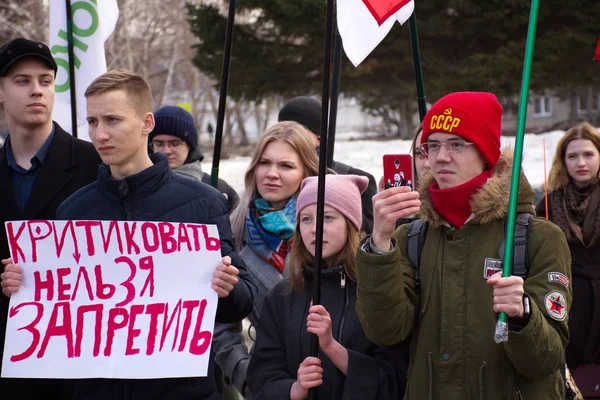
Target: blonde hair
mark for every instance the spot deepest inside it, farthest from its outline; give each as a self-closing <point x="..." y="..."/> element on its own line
<point x="300" y="256"/>
<point x="291" y="133"/>
<point x="559" y="177"/>
<point x="136" y="88"/>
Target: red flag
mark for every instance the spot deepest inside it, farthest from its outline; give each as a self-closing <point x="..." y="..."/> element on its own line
<point x="383" y="9"/>
<point x="597" y="57"/>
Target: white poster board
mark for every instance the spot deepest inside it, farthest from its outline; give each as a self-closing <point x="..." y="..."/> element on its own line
<point x="108" y="299"/>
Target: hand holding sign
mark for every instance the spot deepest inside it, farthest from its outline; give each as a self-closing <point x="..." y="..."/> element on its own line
<point x="225" y="278"/>
<point x="11" y="278"/>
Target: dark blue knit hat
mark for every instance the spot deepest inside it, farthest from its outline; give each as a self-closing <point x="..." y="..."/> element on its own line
<point x="175" y="121"/>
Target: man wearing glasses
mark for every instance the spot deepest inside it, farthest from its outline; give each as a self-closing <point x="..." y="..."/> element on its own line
<point x="175" y="136"/>
<point x="450" y="314"/>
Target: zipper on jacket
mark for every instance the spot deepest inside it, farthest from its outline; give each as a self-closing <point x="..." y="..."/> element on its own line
<point x="343" y="280"/>
<point x="481" y="380"/>
<point x="430" y="366"/>
<point x="344" y="307"/>
<point x="255" y="311"/>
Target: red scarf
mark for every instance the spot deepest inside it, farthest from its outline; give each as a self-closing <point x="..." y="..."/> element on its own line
<point x="454" y="204"/>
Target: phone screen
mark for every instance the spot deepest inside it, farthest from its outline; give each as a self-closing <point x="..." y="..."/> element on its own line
<point x="398" y="170"/>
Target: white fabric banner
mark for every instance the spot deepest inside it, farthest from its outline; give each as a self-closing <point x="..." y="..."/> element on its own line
<point x="93" y="22"/>
<point x="359" y="28"/>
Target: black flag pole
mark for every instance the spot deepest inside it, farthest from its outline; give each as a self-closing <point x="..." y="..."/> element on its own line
<point x="214" y="176"/>
<point x="72" y="91"/>
<point x="322" y="172"/>
<point x="335" y="92"/>
<point x="416" y="51"/>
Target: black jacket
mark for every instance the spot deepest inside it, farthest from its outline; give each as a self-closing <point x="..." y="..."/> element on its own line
<point x="157" y="194"/>
<point x="282" y="343"/>
<point x="69" y="165"/>
<point x="232" y="197"/>
<point x="584" y="316"/>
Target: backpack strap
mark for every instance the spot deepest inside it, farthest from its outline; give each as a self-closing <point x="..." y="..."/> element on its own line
<point x="520" y="258"/>
<point x="417" y="233"/>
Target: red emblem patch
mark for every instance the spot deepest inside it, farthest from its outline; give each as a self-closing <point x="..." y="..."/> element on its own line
<point x="556" y="305"/>
<point x="383" y="9"/>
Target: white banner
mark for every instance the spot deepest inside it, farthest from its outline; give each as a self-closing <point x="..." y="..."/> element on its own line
<point x="93" y="22"/>
<point x="107" y="299"/>
<point x="359" y="27"/>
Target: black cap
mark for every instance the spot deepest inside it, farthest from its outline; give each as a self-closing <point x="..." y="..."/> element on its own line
<point x="16" y="49"/>
<point x="303" y="110"/>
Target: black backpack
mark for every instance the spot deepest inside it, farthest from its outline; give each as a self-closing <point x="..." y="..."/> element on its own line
<point x="417" y="232"/>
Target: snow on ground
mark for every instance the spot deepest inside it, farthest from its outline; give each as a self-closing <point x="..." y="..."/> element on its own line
<point x="367" y="155"/>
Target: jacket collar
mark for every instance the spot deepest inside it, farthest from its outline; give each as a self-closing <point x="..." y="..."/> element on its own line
<point x="334" y="271"/>
<point x="56" y="173"/>
<point x="192" y="169"/>
<point x="490" y="203"/>
<point x="142" y="184"/>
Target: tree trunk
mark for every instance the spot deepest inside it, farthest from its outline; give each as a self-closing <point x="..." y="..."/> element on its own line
<point x="573" y="115"/>
<point x="590" y="104"/>
<point x="170" y="71"/>
<point x="240" y="123"/>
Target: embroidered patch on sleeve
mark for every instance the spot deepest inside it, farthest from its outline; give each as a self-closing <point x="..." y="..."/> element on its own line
<point x="556" y="305"/>
<point x="491" y="266"/>
<point x="557" y="277"/>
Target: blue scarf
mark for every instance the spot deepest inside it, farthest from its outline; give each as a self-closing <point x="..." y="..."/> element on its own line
<point x="269" y="231"/>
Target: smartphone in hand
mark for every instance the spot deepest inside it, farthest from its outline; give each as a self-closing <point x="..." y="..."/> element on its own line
<point x="398" y="170"/>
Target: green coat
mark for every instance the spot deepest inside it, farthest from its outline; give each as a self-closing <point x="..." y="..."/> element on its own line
<point x="451" y="324"/>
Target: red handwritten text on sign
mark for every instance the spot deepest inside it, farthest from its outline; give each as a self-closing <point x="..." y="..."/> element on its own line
<point x="111" y="290"/>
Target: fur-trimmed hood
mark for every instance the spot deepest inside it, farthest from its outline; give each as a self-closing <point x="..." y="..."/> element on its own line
<point x="490" y="203"/>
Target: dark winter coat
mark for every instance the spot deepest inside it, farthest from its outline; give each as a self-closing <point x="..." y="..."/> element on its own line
<point x="231" y="350"/>
<point x="453" y="355"/>
<point x="157" y="194"/>
<point x="584" y="317"/>
<point x="282" y="343"/>
<point x="194" y="170"/>
<point x="69" y="165"/>
<point x="232" y="197"/>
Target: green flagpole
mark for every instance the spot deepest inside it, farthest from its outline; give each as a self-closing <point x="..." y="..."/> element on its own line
<point x="416" y="51"/>
<point x="501" y="333"/>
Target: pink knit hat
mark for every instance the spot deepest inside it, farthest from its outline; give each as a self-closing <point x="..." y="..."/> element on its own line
<point x="342" y="192"/>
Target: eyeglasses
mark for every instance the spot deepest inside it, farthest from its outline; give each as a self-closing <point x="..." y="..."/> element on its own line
<point x="161" y="144"/>
<point x="420" y="152"/>
<point x="454" y="146"/>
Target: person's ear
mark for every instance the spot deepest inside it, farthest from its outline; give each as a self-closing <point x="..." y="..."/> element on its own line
<point x="148" y="123"/>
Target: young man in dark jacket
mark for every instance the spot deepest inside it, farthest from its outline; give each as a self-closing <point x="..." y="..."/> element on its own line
<point x="175" y="135"/>
<point x="134" y="186"/>
<point x="307" y="111"/>
<point x="40" y="166"/>
<point x="449" y="308"/>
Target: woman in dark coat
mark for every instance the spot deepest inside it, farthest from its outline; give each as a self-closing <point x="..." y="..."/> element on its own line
<point x="574" y="205"/>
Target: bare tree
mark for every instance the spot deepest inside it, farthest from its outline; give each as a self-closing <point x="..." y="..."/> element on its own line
<point x="23" y="18"/>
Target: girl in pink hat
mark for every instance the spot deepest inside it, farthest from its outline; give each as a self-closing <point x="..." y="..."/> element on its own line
<point x="349" y="365"/>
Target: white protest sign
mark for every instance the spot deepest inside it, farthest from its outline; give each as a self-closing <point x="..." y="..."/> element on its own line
<point x="108" y="299"/>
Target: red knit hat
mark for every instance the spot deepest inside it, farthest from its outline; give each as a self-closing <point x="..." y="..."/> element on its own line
<point x="474" y="116"/>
